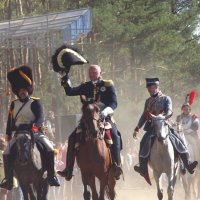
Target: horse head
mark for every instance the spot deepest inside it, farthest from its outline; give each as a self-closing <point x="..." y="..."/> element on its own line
<point x="160" y="127"/>
<point x="23" y="146"/>
<point x="90" y="117"/>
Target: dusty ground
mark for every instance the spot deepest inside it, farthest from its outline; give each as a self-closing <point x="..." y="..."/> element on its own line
<point x="133" y="188"/>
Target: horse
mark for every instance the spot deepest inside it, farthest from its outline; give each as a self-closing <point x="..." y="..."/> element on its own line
<point x="162" y="157"/>
<point x="28" y="168"/>
<point x="93" y="156"/>
<point x="191" y="182"/>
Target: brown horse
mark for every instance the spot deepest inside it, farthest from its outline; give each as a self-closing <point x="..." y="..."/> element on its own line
<point x="94" y="158"/>
<point x="28" y="168"/>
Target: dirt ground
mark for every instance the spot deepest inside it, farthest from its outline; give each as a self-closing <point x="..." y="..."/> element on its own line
<point x="133" y="187"/>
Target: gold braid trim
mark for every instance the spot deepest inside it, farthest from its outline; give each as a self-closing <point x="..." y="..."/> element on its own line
<point x="25" y="77"/>
<point x="61" y="53"/>
<point x="108" y="83"/>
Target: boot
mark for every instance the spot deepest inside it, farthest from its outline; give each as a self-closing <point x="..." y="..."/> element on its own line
<point x="182" y="168"/>
<point x="67" y="173"/>
<point x="190" y="166"/>
<point x="70" y="159"/>
<point x="142" y="169"/>
<point x="52" y="179"/>
<point x="7" y="182"/>
<point x="117" y="163"/>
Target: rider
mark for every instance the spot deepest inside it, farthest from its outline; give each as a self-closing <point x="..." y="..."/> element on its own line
<point x="26" y="113"/>
<point x="102" y="92"/>
<point x="188" y="122"/>
<point x="158" y="103"/>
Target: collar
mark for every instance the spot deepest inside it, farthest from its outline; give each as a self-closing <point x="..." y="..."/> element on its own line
<point x="155" y="95"/>
<point x="24" y="100"/>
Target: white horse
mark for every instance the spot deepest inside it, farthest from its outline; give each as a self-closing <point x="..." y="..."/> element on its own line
<point x="162" y="158"/>
<point x="191" y="181"/>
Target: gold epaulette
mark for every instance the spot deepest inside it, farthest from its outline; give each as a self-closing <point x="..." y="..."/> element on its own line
<point x="108" y="83"/>
<point x="35" y="98"/>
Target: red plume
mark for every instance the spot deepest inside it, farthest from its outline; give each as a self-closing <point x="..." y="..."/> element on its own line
<point x="192" y="95"/>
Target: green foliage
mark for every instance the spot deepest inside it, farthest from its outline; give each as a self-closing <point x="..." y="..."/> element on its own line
<point x="134" y="39"/>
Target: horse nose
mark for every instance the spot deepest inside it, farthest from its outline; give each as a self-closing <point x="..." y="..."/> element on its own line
<point x="23" y="159"/>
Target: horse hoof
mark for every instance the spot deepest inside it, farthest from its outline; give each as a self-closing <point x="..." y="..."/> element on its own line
<point x="87" y="195"/>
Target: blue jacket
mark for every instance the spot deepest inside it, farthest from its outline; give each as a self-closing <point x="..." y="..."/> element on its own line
<point x="156" y="105"/>
<point x="102" y="91"/>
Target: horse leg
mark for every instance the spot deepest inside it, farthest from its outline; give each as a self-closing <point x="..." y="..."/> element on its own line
<point x="91" y="182"/>
<point x="25" y="191"/>
<point x="171" y="183"/>
<point x="110" y="187"/>
<point x="42" y="190"/>
<point x="158" y="179"/>
<point x="103" y="183"/>
<point x="86" y="193"/>
<point x="31" y="193"/>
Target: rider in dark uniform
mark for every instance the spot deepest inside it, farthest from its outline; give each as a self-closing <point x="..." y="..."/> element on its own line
<point x="102" y="92"/>
<point x="26" y="113"/>
<point x="158" y="103"/>
<point x="96" y="90"/>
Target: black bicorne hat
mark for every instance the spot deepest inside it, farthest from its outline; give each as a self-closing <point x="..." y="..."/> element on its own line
<point x="66" y="56"/>
<point x="21" y="77"/>
<point x="152" y="81"/>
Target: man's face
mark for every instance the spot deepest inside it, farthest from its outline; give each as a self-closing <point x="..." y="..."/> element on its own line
<point x="94" y="73"/>
<point x="153" y="89"/>
<point x="23" y="93"/>
<point x="186" y="110"/>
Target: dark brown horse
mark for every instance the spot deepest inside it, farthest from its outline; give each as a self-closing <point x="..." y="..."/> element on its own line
<point x="93" y="157"/>
<point x="28" y="168"/>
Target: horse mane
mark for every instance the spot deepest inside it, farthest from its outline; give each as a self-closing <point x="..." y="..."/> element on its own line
<point x="90" y="117"/>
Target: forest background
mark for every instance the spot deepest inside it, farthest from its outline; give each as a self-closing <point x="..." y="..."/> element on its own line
<point x="130" y="40"/>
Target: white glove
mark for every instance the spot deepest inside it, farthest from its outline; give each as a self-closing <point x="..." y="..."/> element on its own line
<point x="107" y="111"/>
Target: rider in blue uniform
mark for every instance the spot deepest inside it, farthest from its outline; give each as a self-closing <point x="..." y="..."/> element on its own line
<point x="95" y="90"/>
<point x="26" y="113"/>
<point x="158" y="103"/>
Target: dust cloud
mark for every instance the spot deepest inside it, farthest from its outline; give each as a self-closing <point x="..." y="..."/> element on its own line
<point x="133" y="186"/>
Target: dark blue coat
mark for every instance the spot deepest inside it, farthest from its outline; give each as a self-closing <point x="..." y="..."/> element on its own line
<point x="103" y="91"/>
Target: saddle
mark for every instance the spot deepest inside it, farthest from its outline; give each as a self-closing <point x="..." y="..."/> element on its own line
<point x="104" y="133"/>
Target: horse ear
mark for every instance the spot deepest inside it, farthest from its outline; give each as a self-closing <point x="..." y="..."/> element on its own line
<point x="83" y="99"/>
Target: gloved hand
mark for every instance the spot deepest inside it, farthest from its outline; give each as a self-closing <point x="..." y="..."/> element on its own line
<point x="107" y="111"/>
<point x="136" y="131"/>
<point x="65" y="81"/>
<point x="34" y="129"/>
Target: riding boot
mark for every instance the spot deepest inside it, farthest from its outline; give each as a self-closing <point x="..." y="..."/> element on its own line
<point x="142" y="168"/>
<point x="7" y="182"/>
<point x="70" y="159"/>
<point x="117" y="163"/>
<point x="52" y="179"/>
<point x="182" y="168"/>
<point x="190" y="166"/>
